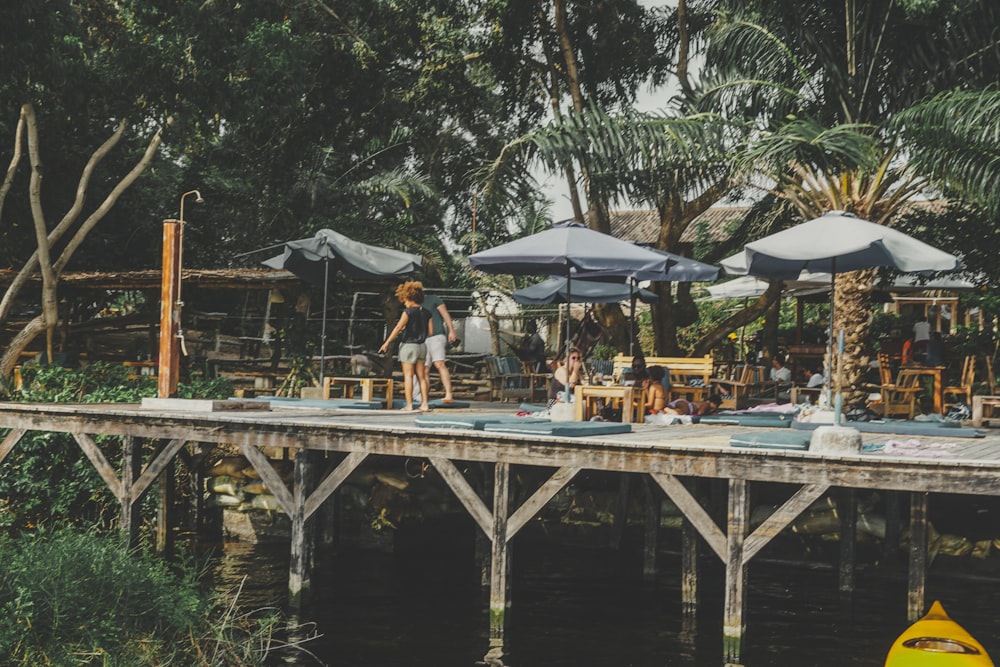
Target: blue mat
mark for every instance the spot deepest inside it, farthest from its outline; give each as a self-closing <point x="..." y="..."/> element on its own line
<point x="770" y="419"/>
<point x="320" y="403"/>
<point x="567" y="429"/>
<point x="439" y="403"/>
<point x="904" y="427"/>
<point x="772" y="440"/>
<point x="531" y="407"/>
<point x="472" y="422"/>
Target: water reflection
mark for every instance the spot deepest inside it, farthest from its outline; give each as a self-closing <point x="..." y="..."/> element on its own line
<point x="584" y="605"/>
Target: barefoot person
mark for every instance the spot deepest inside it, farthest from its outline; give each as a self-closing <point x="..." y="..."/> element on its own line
<point x="681" y="406"/>
<point x="415" y="326"/>
<point x="442" y="332"/>
<point x="656" y="393"/>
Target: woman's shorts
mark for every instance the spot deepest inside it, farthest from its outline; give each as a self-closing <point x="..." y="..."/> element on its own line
<point x="411" y="353"/>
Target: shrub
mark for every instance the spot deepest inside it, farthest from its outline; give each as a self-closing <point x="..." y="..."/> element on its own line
<point x="69" y="597"/>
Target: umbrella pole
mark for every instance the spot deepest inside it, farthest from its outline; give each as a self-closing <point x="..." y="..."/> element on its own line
<point x="829" y="350"/>
<point x="569" y="319"/>
<point x="322" y="332"/>
<point x="631" y="316"/>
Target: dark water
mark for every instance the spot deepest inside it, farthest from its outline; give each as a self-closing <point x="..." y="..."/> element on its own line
<point x="581" y="605"/>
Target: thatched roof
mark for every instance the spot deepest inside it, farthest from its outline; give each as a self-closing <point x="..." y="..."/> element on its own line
<point x="150" y="279"/>
<point x="644" y="225"/>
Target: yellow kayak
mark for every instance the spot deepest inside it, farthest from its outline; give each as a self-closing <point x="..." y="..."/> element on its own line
<point x="937" y="641"/>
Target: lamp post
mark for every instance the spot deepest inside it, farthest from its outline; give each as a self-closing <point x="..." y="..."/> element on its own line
<point x="171" y="336"/>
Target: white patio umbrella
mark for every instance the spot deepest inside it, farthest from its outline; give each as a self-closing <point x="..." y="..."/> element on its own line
<point x="836" y="242"/>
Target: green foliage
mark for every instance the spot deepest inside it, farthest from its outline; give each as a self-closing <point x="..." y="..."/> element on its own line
<point x="47" y="478"/>
<point x="70" y="598"/>
<point x="603" y="351"/>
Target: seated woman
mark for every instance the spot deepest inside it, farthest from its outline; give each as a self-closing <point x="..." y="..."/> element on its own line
<point x="656" y="393"/>
<point x="681" y="406"/>
<point x="566" y="376"/>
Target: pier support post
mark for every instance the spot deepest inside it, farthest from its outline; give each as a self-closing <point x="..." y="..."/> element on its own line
<point x="847" y="508"/>
<point x="917" y="580"/>
<point x="733" y="625"/>
<point x="164" y="509"/>
<point x="499" y="562"/>
<point x="130" y="467"/>
<point x="621" y="510"/>
<point x="890" y="544"/>
<point x="300" y="562"/>
<point x="651" y="531"/>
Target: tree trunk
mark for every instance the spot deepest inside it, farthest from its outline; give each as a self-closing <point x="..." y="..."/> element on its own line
<point x="23" y="339"/>
<point x="853" y="306"/>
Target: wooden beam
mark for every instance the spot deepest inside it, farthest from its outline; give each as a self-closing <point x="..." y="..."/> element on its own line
<point x="300" y="558"/>
<point x="466" y="495"/>
<point x="131" y="458"/>
<point x="621" y="509"/>
<point x="498" y="561"/>
<point x="784" y="515"/>
<point x="170" y="315"/>
<point x="917" y="579"/>
<point x="538" y="499"/>
<point x="9" y="441"/>
<point x="733" y="620"/>
<point x="99" y="462"/>
<point x="270" y="477"/>
<point x="156" y="465"/>
<point x="651" y="531"/>
<point x="847" y="508"/>
<point x="333" y="481"/>
<point x="693" y="512"/>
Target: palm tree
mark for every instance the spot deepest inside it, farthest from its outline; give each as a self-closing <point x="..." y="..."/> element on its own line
<point x="874" y="74"/>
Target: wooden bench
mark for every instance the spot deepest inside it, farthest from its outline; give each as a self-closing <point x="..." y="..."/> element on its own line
<point x="682" y="371"/>
<point x="979" y="405"/>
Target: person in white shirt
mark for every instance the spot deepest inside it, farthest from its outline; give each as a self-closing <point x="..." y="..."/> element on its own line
<point x="816" y="379"/>
<point x="779" y="371"/>
<point x="921" y="335"/>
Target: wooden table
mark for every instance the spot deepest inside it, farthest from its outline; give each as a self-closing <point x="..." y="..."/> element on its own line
<point x="367" y="384"/>
<point x="981" y="402"/>
<point x="631" y="400"/>
<point x="934" y="372"/>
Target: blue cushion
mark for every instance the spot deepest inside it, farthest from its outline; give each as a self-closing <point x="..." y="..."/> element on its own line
<point x="439" y="403"/>
<point x="568" y="429"/>
<point x="771" y="440"/>
<point x="770" y="419"/>
<point x="903" y="427"/>
<point x="472" y="422"/>
<point x="320" y="403"/>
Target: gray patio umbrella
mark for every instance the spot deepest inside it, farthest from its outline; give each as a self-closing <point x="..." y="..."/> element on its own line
<point x="554" y="290"/>
<point x="836" y="242"/>
<point x="317" y="259"/>
<point x="567" y="248"/>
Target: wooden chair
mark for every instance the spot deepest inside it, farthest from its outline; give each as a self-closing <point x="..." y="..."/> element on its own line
<point x="744" y="382"/>
<point x="899" y="396"/>
<point x="508" y="381"/>
<point x="963" y="390"/>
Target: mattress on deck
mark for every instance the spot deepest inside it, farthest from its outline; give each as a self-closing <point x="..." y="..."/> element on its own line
<point x="767" y="419"/>
<point x="771" y="440"/>
<point x="564" y="429"/>
<point x="472" y="422"/>
<point x="904" y="427"/>
<point x="318" y="403"/>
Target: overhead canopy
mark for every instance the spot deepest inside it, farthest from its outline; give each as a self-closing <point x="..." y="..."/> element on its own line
<point x="815" y="283"/>
<point x="314" y="259"/>
<point x="554" y="290"/>
<point x="682" y="270"/>
<point x="837" y="242"/>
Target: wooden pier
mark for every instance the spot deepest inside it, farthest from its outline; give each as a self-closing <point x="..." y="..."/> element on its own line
<point x="671" y="456"/>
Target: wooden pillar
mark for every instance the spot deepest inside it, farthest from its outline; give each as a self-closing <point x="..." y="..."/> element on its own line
<point x="890" y="545"/>
<point x="847" y="509"/>
<point x="733" y="624"/>
<point x="170" y="282"/>
<point x="498" y="561"/>
<point x="164" y="509"/>
<point x="652" y="530"/>
<point x="689" y="568"/>
<point x="483" y="544"/>
<point x="300" y="562"/>
<point x="130" y="466"/>
<point x="621" y="510"/>
<point x="917" y="582"/>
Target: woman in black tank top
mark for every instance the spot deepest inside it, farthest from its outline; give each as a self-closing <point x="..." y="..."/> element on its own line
<point x="414" y="325"/>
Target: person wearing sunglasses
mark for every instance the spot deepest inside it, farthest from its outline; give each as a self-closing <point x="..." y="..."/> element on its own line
<point x="566" y="376"/>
